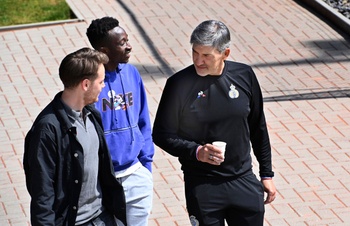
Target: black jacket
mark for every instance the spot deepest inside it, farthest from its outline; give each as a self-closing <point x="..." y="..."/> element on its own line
<point x="53" y="164"/>
<point x="196" y="110"/>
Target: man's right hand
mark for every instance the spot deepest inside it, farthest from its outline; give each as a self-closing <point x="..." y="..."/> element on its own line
<point x="210" y="154"/>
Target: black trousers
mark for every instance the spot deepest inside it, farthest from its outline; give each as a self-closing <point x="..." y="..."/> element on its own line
<point x="210" y="201"/>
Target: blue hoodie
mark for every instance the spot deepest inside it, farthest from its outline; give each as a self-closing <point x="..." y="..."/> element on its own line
<point x="125" y="117"/>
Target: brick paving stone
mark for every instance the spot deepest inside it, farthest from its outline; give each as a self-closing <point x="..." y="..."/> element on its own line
<point x="302" y="64"/>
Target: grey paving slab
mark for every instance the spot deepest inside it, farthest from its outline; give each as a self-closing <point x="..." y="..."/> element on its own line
<point x="302" y="63"/>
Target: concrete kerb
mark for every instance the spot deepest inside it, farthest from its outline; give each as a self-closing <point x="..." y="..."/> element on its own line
<point x="330" y="13"/>
<point x="42" y="24"/>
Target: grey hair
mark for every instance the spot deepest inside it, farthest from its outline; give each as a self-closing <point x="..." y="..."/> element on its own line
<point x="212" y="33"/>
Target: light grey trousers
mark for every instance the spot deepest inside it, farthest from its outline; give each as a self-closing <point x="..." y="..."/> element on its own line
<point x="138" y="189"/>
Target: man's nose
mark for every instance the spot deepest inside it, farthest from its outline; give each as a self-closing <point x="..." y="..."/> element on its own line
<point x="198" y="60"/>
<point x="128" y="46"/>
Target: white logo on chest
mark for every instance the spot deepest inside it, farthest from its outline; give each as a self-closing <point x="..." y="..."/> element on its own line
<point x="233" y="93"/>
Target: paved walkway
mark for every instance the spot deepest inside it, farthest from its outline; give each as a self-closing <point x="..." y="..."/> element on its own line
<point x="302" y="63"/>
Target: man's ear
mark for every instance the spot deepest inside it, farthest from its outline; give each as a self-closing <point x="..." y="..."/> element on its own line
<point x="104" y="50"/>
<point x="85" y="84"/>
<point x="227" y="52"/>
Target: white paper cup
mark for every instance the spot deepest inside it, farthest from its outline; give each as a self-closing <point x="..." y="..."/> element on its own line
<point x="221" y="145"/>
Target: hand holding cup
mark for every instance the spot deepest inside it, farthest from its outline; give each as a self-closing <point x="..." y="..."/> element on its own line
<point x="219" y="156"/>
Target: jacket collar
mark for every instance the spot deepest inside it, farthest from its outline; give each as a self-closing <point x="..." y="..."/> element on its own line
<point x="61" y="112"/>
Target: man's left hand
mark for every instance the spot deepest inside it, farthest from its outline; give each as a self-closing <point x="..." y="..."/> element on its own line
<point x="270" y="189"/>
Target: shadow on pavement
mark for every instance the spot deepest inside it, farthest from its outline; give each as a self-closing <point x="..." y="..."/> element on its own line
<point x="338" y="93"/>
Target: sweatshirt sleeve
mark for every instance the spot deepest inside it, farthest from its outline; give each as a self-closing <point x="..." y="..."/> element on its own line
<point x="258" y="130"/>
<point x="167" y="122"/>
<point x="144" y="123"/>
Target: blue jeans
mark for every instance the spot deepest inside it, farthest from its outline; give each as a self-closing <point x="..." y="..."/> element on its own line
<point x="138" y="189"/>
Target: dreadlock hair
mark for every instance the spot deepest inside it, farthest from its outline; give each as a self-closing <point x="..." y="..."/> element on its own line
<point x="97" y="32"/>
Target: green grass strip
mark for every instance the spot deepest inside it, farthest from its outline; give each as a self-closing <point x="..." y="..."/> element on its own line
<point x="15" y="12"/>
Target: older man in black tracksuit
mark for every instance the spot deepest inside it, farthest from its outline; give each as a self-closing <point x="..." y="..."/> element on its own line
<point x="217" y="100"/>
